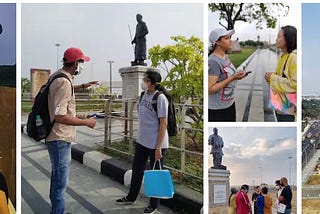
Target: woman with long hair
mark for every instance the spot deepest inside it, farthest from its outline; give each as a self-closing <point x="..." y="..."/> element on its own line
<point x="283" y="82"/>
<point x="222" y="77"/>
<point x="232" y="201"/>
<point x="152" y="140"/>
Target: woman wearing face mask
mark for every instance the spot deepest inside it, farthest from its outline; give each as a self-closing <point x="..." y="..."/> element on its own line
<point x="283" y="82"/>
<point x="279" y="190"/>
<point x="243" y="202"/>
<point x="222" y="77"/>
<point x="152" y="140"/>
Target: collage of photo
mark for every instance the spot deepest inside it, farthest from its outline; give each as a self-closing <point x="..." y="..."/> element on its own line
<point x="196" y="107"/>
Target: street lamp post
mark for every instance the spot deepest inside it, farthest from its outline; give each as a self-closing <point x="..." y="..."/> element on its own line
<point x="110" y="63"/>
<point x="91" y="73"/>
<point x="57" y="45"/>
<point x="289" y="169"/>
<point x="260" y="167"/>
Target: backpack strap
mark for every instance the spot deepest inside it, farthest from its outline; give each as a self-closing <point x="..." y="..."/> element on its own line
<point x="141" y="95"/>
<point x="60" y="75"/>
<point x="155" y="101"/>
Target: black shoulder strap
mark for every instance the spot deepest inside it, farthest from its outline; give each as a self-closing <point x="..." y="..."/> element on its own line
<point x="155" y="100"/>
<point x="141" y="95"/>
<point x="60" y="75"/>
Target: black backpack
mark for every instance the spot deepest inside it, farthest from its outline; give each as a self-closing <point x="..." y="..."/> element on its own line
<point x="40" y="109"/>
<point x="172" y="122"/>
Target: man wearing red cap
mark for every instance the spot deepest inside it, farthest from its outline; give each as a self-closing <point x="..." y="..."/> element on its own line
<point x="62" y="110"/>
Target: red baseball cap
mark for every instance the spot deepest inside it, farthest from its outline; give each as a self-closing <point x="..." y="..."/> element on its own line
<point x="74" y="54"/>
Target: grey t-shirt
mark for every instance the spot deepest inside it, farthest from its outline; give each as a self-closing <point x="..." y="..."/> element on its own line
<point x="149" y="122"/>
<point x="223" y="68"/>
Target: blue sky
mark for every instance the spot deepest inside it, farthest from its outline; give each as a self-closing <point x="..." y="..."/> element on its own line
<point x="248" y="148"/>
<point x="310" y="48"/>
<point x="8" y="36"/>
<point x="101" y="31"/>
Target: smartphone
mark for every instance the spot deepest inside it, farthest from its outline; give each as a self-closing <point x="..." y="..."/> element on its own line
<point x="248" y="72"/>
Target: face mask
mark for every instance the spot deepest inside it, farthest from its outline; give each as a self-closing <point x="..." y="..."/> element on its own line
<point x="79" y="69"/>
<point x="143" y="86"/>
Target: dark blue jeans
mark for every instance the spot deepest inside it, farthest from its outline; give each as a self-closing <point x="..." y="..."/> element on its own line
<point x="60" y="157"/>
<point x="139" y="162"/>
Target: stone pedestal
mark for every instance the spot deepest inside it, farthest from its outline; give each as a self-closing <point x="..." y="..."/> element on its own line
<point x="219" y="190"/>
<point x="131" y="80"/>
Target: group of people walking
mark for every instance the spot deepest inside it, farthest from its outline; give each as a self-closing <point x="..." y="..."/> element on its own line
<point x="261" y="202"/>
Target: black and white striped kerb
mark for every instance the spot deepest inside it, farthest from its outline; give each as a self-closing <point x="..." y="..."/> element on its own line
<point x="121" y="171"/>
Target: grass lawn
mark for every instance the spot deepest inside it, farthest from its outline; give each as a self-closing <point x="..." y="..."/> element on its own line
<point x="238" y="58"/>
<point x="95" y="105"/>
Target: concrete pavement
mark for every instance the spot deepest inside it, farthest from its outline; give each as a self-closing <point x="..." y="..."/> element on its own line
<point x="88" y="191"/>
<point x="252" y="92"/>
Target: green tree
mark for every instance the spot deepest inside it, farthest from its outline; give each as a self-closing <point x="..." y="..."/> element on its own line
<point x="25" y="85"/>
<point x="100" y="92"/>
<point x="183" y="63"/>
<point x="261" y="13"/>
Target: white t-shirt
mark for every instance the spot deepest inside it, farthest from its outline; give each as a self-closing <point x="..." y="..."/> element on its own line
<point x="149" y="120"/>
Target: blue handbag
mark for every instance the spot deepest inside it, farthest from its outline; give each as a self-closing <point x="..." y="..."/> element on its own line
<point x="158" y="183"/>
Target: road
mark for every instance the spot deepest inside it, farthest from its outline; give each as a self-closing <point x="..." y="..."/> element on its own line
<point x="252" y="92"/>
<point x="87" y="192"/>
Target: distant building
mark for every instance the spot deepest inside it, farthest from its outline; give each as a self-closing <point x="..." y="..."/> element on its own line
<point x="116" y="86"/>
<point x="235" y="47"/>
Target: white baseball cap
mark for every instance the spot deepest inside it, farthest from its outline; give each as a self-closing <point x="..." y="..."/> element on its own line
<point x="217" y="33"/>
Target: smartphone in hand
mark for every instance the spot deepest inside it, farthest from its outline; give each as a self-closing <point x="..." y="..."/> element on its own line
<point x="248" y="72"/>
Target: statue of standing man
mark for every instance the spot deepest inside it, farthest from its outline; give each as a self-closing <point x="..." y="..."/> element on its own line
<point x="140" y="42"/>
<point x="216" y="143"/>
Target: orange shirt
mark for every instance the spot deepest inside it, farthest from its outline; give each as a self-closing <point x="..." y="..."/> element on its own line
<point x="267" y="204"/>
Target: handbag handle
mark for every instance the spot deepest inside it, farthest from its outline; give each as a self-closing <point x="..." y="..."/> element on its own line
<point x="155" y="164"/>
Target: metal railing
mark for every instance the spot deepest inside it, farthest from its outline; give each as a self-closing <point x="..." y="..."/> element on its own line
<point x="121" y="132"/>
<point x="121" y="128"/>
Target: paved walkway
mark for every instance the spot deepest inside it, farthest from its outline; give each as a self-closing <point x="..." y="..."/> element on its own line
<point x="87" y="192"/>
<point x="252" y="92"/>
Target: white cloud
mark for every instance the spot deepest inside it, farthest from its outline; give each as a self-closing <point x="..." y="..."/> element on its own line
<point x="258" y="147"/>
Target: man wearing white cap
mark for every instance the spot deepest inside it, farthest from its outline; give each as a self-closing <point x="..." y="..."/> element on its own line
<point x="62" y="110"/>
<point x="222" y="76"/>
